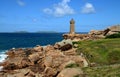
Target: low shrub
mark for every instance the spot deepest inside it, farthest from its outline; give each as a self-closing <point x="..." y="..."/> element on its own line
<point x="72" y="65"/>
<point x="117" y="35"/>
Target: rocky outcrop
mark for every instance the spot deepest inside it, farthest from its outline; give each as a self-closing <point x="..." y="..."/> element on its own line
<point x="99" y="33"/>
<point x="79" y="37"/>
<point x="93" y="34"/>
<point x="115" y="28"/>
<point x="107" y="31"/>
<point x="40" y="61"/>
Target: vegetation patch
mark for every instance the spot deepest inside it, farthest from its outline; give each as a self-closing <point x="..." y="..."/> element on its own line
<point x="101" y="52"/>
<point x="117" y="35"/>
<point x="102" y="71"/>
<point x="77" y="76"/>
<point x="114" y="56"/>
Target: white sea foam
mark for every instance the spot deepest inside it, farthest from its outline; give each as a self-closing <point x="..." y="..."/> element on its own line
<point x="2" y="55"/>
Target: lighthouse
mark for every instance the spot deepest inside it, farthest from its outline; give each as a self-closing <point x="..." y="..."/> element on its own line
<point x="72" y="26"/>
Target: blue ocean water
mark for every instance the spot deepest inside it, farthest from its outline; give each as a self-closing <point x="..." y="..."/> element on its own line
<point x="24" y="40"/>
<point x="21" y="40"/>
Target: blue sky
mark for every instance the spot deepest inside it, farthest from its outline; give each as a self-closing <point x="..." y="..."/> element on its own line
<point x="54" y="15"/>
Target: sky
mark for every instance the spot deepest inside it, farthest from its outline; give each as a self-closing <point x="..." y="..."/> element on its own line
<point x="54" y="15"/>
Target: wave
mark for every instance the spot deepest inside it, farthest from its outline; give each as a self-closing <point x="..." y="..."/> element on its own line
<point x="2" y="55"/>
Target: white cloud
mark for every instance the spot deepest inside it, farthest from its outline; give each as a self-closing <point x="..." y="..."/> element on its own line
<point x="60" y="9"/>
<point x="88" y="9"/>
<point x="20" y="2"/>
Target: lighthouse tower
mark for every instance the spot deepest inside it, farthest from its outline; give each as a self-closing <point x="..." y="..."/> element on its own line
<point x="72" y="26"/>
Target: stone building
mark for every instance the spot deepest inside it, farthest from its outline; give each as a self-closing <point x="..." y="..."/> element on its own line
<point x="72" y="27"/>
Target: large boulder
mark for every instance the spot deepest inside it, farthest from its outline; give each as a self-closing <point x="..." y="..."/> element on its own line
<point x="57" y="46"/>
<point x="115" y="28"/>
<point x="96" y="32"/>
<point x="16" y="63"/>
<point x="51" y="57"/>
<point x="64" y="42"/>
<point x="79" y="60"/>
<point x="13" y="63"/>
<point x="2" y="74"/>
<point x="49" y="72"/>
<point x="15" y="52"/>
<point x="17" y="73"/>
<point x="70" y="52"/>
<point x="20" y="73"/>
<point x="48" y="61"/>
<point x="37" y="68"/>
<point x="35" y="57"/>
<point x="29" y="51"/>
<point x="66" y="47"/>
<point x="38" y="48"/>
<point x="71" y="72"/>
<point x="48" y="48"/>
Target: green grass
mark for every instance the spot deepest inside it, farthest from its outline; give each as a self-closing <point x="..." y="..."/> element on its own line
<point x="100" y="51"/>
<point x="105" y="53"/>
<point x="103" y="71"/>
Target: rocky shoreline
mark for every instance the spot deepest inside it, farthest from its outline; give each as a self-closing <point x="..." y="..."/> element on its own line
<point x="51" y="60"/>
<point x="48" y="61"/>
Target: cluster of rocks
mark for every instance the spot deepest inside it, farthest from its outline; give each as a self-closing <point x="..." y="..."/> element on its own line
<point x="79" y="37"/>
<point x="48" y="61"/>
<point x="108" y="31"/>
<point x="93" y="34"/>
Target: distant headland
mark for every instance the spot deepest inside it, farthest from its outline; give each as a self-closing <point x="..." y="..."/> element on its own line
<point x="31" y="32"/>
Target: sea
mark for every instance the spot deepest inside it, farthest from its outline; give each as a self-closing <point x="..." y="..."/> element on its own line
<point x="26" y="40"/>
